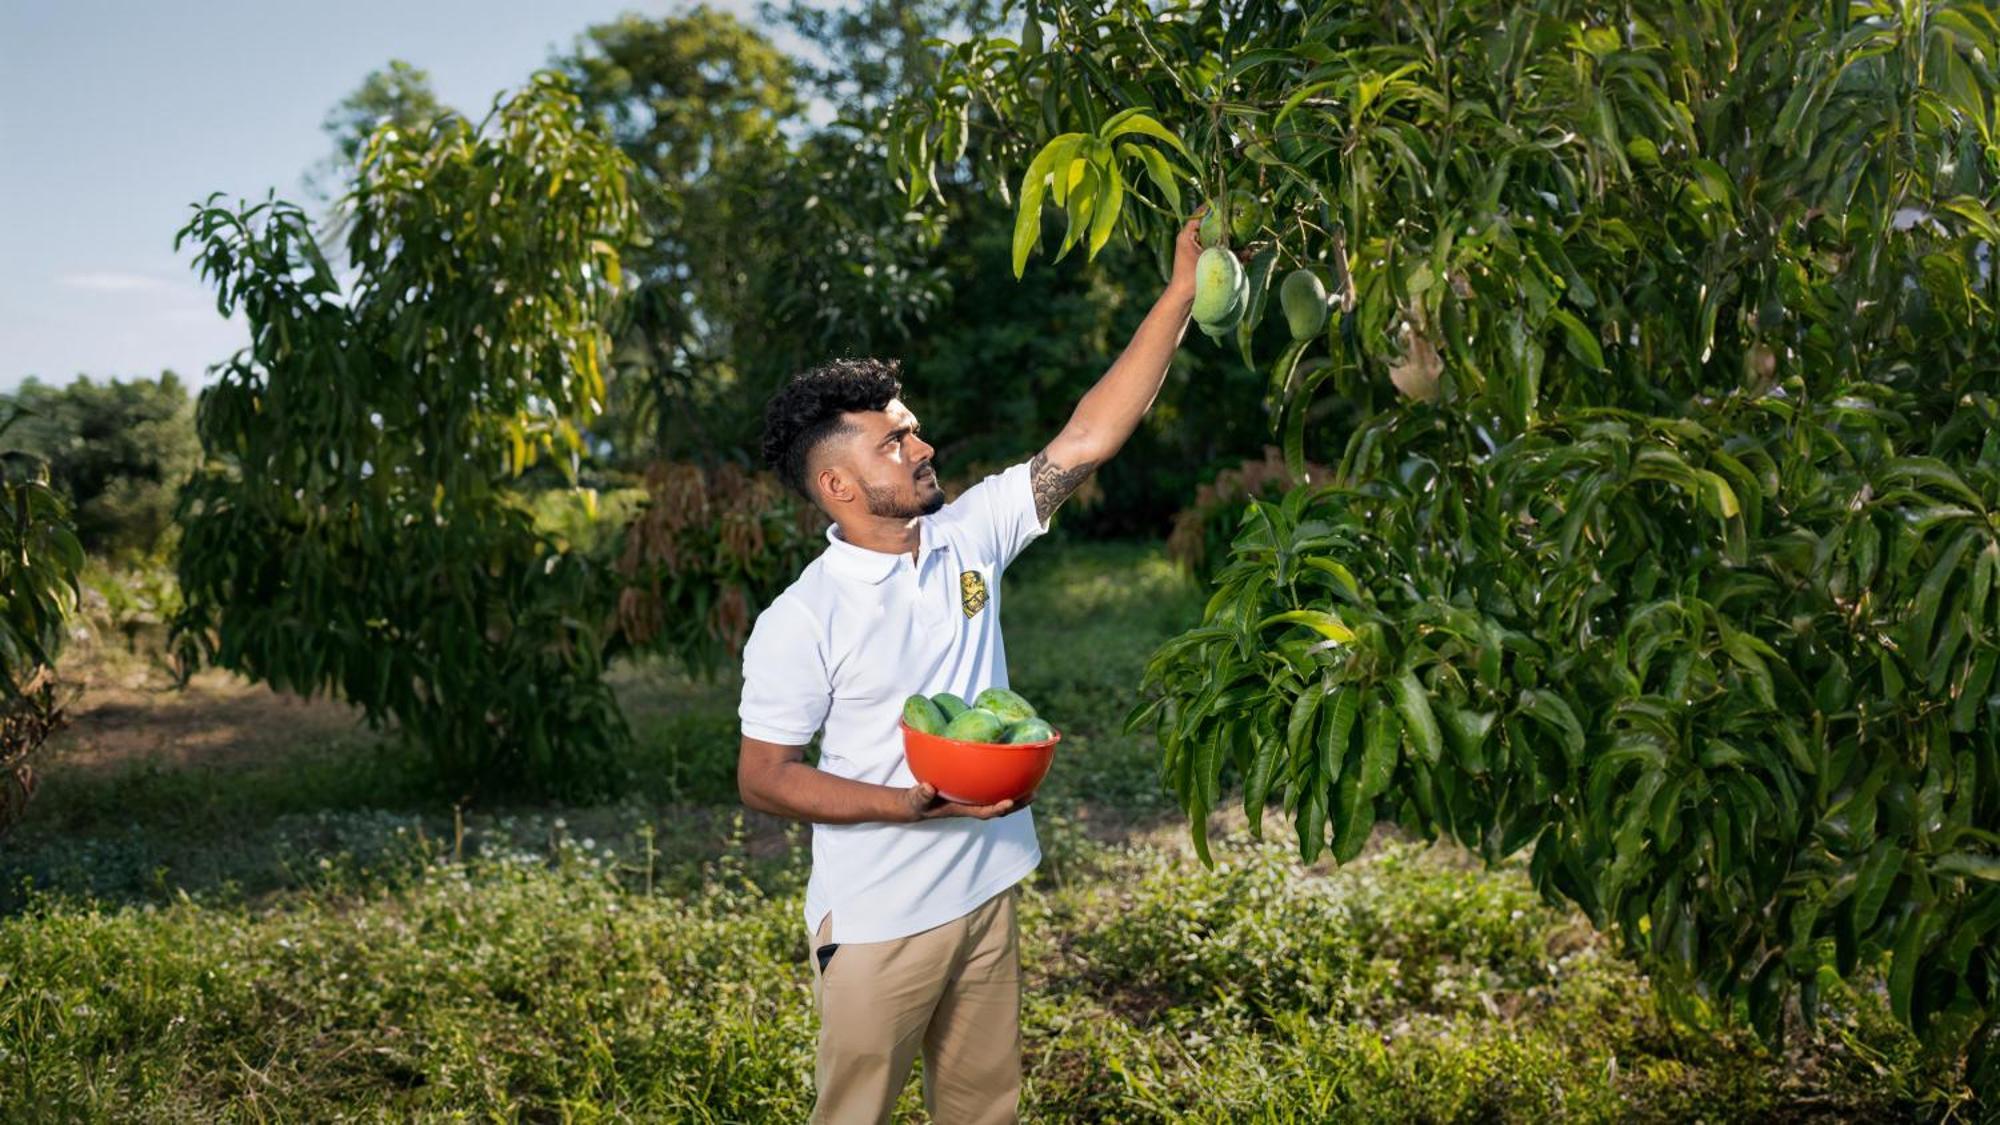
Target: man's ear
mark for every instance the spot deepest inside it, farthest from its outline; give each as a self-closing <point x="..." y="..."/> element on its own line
<point x="834" y="486"/>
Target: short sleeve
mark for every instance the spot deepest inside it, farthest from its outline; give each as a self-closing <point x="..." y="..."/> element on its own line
<point x="786" y="689"/>
<point x="999" y="513"/>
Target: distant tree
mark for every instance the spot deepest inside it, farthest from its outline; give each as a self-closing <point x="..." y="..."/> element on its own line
<point x="118" y="449"/>
<point x="397" y="95"/>
<point x="697" y="102"/>
<point x="39" y="561"/>
<point x="353" y="531"/>
<point x="875" y="51"/>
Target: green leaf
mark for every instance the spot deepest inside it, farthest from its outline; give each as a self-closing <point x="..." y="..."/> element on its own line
<point x="1258" y="281"/>
<point x="1414" y="704"/>
<point x="1972" y="691"/>
<point x="1084" y="195"/>
<point x="1208" y="766"/>
<point x="1337" y="731"/>
<point x="1717" y="496"/>
<point x="1766" y="996"/>
<point x="1872" y="882"/>
<point x="1140" y="123"/>
<point x="1198" y="829"/>
<point x="1311" y="825"/>
<point x="1969" y="864"/>
<point x="1931" y="593"/>
<point x="1298" y="97"/>
<point x="1298" y="726"/>
<point x="1106" y="215"/>
<point x="1911" y="937"/>
<point x="1553" y="712"/>
<point x="1028" y="218"/>
<point x="1380" y="741"/>
<point x="1466" y="731"/>
<point x="1932" y="472"/>
<point x="1318" y="620"/>
<point x="1159" y="171"/>
<point x="1356" y="819"/>
<point x="1308" y="374"/>
<point x="1275" y="396"/>
<point x="1257" y="783"/>
<point x="1582" y="344"/>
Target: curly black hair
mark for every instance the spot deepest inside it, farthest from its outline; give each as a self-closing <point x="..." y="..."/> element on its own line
<point x="807" y="410"/>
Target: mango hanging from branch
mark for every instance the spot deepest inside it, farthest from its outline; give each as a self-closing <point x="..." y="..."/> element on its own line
<point x="1303" y="298"/>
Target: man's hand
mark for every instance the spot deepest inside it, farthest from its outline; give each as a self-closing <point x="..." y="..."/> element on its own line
<point x="922" y="802"/>
<point x="1187" y="248"/>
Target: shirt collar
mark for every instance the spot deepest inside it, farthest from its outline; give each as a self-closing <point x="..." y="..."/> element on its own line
<point x="873" y="566"/>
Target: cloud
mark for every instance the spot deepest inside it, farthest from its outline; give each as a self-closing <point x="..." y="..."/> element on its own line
<point x="116" y="283"/>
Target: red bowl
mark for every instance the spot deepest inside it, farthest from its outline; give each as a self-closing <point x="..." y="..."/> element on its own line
<point x="977" y="773"/>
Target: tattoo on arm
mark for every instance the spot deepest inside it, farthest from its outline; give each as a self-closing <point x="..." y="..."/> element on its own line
<point x="1053" y="483"/>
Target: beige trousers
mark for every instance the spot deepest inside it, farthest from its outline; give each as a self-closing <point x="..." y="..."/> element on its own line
<point x="954" y="991"/>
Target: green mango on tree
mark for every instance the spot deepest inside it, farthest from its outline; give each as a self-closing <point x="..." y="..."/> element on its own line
<point x="1219" y="290"/>
<point x="1246" y="214"/>
<point x="1212" y="233"/>
<point x="1304" y="301"/>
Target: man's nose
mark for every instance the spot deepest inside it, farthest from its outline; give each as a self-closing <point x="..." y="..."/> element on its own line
<point x="926" y="447"/>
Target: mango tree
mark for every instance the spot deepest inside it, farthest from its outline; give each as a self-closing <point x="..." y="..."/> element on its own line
<point x="1687" y="577"/>
<point x="351" y="530"/>
<point x="40" y="558"/>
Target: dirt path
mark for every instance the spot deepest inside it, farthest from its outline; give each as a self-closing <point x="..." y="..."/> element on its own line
<point x="128" y="713"/>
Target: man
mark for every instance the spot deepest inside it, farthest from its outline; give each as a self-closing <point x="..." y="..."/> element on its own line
<point x="911" y="902"/>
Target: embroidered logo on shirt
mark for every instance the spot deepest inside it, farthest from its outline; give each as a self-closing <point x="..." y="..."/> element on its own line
<point x="971" y="592"/>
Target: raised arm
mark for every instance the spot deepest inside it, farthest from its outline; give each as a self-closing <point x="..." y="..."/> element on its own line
<point x="1106" y="416"/>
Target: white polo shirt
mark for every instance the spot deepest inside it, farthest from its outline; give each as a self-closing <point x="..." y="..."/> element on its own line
<point x="840" y="650"/>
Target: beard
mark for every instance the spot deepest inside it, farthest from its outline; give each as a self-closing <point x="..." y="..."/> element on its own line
<point x="922" y="498"/>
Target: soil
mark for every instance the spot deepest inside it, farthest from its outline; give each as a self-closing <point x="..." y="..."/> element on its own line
<point x="127" y="712"/>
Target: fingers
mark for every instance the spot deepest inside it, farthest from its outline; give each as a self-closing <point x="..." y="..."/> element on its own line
<point x="929" y="806"/>
<point x="981" y="812"/>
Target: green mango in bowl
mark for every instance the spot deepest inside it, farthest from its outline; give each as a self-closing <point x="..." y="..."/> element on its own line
<point x="976" y="725"/>
<point x="1010" y="706"/>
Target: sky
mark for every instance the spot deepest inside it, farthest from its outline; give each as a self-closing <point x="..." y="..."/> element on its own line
<point x="116" y="117"/>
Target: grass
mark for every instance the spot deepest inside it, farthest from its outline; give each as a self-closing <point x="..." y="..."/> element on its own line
<point x="316" y="934"/>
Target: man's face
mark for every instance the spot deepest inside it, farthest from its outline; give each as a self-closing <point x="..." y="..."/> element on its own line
<point x="892" y="465"/>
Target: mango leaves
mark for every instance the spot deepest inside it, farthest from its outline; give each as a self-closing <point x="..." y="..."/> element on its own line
<point x="1686" y="579"/>
<point x="1086" y="177"/>
<point x="40" y="559"/>
<point x="350" y="531"/>
<point x="1743" y="760"/>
